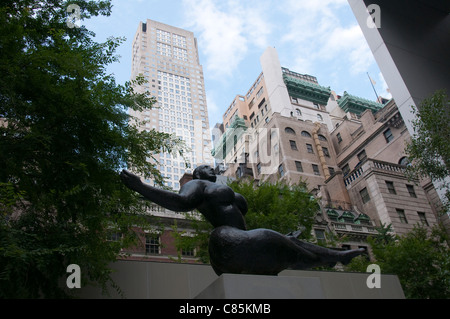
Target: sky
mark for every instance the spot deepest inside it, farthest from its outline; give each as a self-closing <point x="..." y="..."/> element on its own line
<point x="316" y="37"/>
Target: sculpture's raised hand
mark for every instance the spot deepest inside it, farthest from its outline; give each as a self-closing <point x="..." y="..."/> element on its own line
<point x="131" y="180"/>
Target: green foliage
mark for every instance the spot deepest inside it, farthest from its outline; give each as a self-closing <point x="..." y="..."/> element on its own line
<point x="198" y="239"/>
<point x="421" y="260"/>
<point x="65" y="133"/>
<point x="429" y="148"/>
<point x="278" y="206"/>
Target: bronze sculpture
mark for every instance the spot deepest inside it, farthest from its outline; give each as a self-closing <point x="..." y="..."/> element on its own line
<point x="233" y="248"/>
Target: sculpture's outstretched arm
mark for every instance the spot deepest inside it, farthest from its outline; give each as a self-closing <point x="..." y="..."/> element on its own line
<point x="188" y="198"/>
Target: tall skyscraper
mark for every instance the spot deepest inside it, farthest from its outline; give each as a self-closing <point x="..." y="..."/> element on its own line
<point x="168" y="58"/>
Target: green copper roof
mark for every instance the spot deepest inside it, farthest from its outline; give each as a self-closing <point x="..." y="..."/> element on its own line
<point x="227" y="140"/>
<point x="306" y="90"/>
<point x="332" y="213"/>
<point x="357" y="105"/>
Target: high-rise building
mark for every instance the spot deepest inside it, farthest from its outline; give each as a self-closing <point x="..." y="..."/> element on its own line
<point x="168" y="59"/>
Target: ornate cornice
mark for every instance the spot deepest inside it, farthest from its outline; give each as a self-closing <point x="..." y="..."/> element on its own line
<point x="357" y="105"/>
<point x="307" y="90"/>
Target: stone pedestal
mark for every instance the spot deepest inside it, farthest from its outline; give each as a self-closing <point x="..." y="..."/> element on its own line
<point x="291" y="284"/>
<point x="229" y="286"/>
<point x="156" y="280"/>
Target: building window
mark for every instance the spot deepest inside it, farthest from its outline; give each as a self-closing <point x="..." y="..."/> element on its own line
<point x="423" y="218"/>
<point x="152" y="244"/>
<point x="331" y="170"/>
<point x="239" y="172"/>
<point x="305" y="134"/>
<point x="293" y="145"/>
<point x="390" y="187"/>
<point x="362" y="155"/>
<point x="346" y="169"/>
<point x="401" y="215"/>
<point x="403" y="161"/>
<point x="315" y="169"/>
<point x="309" y="148"/>
<point x="115" y="237"/>
<point x="289" y="130"/>
<point x="320" y="235"/>
<point x="258" y="168"/>
<point x="364" y="195"/>
<point x="188" y="252"/>
<point x="339" y="138"/>
<point x="299" y="167"/>
<point x="388" y="135"/>
<point x="281" y="170"/>
<point x="322" y="138"/>
<point x="319" y="117"/>
<point x="411" y="191"/>
<point x="299" y="113"/>
<point x="325" y="152"/>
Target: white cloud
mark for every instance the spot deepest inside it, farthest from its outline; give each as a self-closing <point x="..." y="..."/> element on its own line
<point x="226" y="30"/>
<point x="317" y="34"/>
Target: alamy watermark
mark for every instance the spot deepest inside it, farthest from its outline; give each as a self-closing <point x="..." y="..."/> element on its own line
<point x="74" y="279"/>
<point x="73" y="20"/>
<point x="260" y="147"/>
<point x="374" y="18"/>
<point x="374" y="280"/>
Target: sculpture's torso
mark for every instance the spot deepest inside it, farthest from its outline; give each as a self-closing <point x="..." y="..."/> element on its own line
<point x="221" y="205"/>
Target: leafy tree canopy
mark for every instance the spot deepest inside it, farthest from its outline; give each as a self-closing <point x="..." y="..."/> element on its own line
<point x="420" y="259"/>
<point x="279" y="206"/>
<point x="429" y="148"/>
<point x="65" y="133"/>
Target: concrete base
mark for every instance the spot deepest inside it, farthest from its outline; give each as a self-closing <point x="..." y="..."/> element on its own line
<point x="294" y="284"/>
<point x="229" y="286"/>
<point x="156" y="280"/>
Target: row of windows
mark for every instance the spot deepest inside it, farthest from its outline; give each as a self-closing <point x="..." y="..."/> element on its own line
<point x="153" y="247"/>
<point x="291" y="131"/>
<point x="400" y="212"/>
<point x="298" y="167"/>
<point x="309" y="148"/>
<point x="388" y="136"/>
<point x="402" y="216"/>
<point x="391" y="189"/>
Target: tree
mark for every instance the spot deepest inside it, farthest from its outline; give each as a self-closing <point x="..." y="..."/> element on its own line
<point x="65" y="134"/>
<point x="277" y="206"/>
<point x="429" y="148"/>
<point x="420" y="259"/>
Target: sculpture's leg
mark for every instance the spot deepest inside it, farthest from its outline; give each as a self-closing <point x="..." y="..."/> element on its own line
<point x="327" y="254"/>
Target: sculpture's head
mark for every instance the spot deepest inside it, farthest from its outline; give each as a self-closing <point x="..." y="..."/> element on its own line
<point x="205" y="172"/>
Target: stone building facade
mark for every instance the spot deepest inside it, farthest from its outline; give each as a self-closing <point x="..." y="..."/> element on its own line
<point x="349" y="150"/>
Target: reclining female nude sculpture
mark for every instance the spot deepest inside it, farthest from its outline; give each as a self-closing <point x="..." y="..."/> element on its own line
<point x="232" y="248"/>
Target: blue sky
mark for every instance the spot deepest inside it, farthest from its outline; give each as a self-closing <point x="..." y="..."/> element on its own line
<point x="317" y="37"/>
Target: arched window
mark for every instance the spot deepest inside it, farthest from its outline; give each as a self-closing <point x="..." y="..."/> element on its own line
<point x="299" y="113"/>
<point x="403" y="161"/>
<point x="306" y="134"/>
<point x="319" y="117"/>
<point x="289" y="130"/>
<point x="322" y="138"/>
